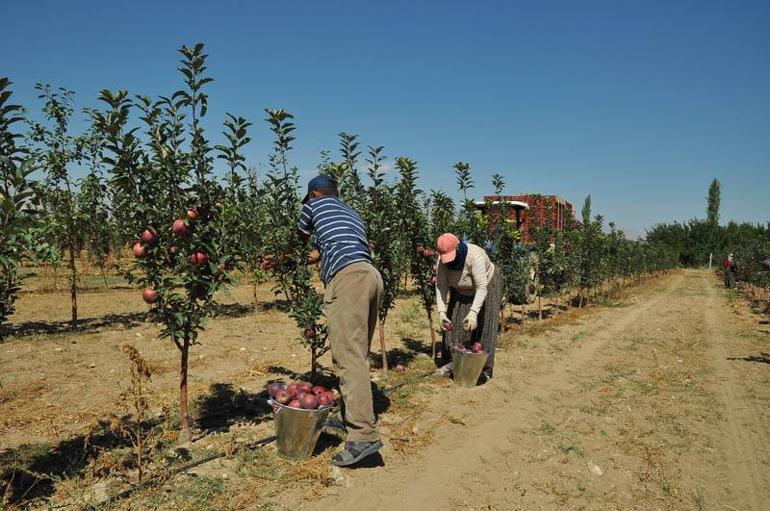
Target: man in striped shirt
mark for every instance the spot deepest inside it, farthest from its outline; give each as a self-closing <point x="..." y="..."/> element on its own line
<point x="351" y="302"/>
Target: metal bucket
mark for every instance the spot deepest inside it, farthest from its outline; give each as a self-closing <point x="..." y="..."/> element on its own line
<point x="297" y="430"/>
<point x="467" y="367"/>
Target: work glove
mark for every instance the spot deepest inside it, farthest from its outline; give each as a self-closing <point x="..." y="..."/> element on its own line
<point x="444" y="322"/>
<point x="470" y="322"/>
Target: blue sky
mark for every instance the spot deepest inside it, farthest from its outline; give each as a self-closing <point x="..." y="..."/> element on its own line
<point x="639" y="104"/>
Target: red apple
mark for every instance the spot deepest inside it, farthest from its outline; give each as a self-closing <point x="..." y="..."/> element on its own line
<point x="434" y="267"/>
<point x="326" y="398"/>
<point x="139" y="250"/>
<point x="218" y="205"/>
<point x="150" y="295"/>
<point x="197" y="258"/>
<point x="293" y="389"/>
<point x="310" y="333"/>
<point x="309" y="402"/>
<point x="318" y="390"/>
<point x="180" y="228"/>
<point x="433" y="279"/>
<point x="274" y="387"/>
<point x="305" y="386"/>
<point x="427" y="252"/>
<point x="282" y="396"/>
<point x="294" y="403"/>
<point x="400" y="368"/>
<point x="477" y="348"/>
<point x="150" y="236"/>
<point x="192" y="214"/>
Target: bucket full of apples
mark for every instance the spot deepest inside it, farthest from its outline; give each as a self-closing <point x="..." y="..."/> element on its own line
<point x="300" y="412"/>
<point x="468" y="363"/>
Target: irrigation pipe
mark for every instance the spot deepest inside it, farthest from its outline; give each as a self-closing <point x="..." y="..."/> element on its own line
<point x="220" y="454"/>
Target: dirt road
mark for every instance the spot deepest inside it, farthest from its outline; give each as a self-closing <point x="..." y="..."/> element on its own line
<point x="657" y="402"/>
<point x="661" y="403"/>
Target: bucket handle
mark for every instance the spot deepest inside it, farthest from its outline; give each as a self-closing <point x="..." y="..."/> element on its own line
<point x="276" y="407"/>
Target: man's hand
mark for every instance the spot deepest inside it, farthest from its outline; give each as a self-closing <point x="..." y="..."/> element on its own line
<point x="444" y="322"/>
<point x="471" y="322"/>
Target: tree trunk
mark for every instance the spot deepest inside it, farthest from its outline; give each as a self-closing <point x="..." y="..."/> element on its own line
<point x="382" y="346"/>
<point x="432" y="337"/>
<point x="254" y="294"/>
<point x="313" y="363"/>
<point x="73" y="284"/>
<point x="523" y="313"/>
<point x="104" y="275"/>
<point x="184" y="416"/>
<point x="539" y="308"/>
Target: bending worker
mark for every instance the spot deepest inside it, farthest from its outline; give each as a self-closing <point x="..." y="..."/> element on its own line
<point x="351" y="302"/>
<point x="473" y="284"/>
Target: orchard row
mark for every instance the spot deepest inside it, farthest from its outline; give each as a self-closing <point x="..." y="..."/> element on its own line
<point x="150" y="186"/>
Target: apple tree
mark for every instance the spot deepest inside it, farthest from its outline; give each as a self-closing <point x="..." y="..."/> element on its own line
<point x="165" y="188"/>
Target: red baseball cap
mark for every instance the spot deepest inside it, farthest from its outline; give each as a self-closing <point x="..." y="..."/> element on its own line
<point x="446" y="245"/>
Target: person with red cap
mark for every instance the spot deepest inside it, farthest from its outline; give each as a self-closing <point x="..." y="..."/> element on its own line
<point x="469" y="294"/>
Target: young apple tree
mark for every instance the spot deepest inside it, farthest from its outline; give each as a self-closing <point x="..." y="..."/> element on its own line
<point x="381" y="217"/>
<point x="167" y="192"/>
<point x="15" y="196"/>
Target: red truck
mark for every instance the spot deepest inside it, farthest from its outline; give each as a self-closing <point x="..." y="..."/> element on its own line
<point x="532" y="209"/>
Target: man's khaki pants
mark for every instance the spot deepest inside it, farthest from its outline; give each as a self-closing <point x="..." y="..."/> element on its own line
<point x="351" y="302"/>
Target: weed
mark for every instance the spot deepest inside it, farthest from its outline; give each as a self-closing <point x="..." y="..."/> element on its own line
<point x="547" y="428"/>
<point x="571" y="449"/>
<point x="698" y="499"/>
<point x="258" y="463"/>
<point x="135" y="400"/>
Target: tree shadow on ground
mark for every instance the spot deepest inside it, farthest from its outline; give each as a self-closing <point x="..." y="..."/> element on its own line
<point x="30" y="471"/>
<point x="106" y="322"/>
<point x="232" y="310"/>
<point x="85" y="325"/>
<point x="280" y="305"/>
<point x="326" y="441"/>
<point x="225" y="405"/>
<point x="395" y="356"/>
<point x="762" y="358"/>
<point x="324" y="376"/>
<point x="417" y="345"/>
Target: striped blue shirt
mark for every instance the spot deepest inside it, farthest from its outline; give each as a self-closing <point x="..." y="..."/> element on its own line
<point x="340" y="235"/>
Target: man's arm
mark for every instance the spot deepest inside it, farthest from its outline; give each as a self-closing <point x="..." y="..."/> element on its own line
<point x="314" y="256"/>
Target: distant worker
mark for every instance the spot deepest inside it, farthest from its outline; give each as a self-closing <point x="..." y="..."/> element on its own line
<point x="473" y="284"/>
<point x="729" y="268"/>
